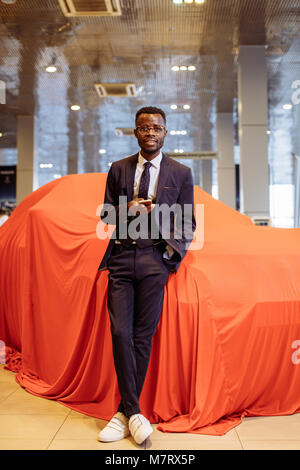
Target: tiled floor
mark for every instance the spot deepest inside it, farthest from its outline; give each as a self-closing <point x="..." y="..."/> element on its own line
<point x="30" y="422"/>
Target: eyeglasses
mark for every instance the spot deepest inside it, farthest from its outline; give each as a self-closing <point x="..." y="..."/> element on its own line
<point x="145" y="130"/>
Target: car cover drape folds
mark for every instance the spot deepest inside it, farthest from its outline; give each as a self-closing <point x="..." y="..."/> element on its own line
<point x="228" y="342"/>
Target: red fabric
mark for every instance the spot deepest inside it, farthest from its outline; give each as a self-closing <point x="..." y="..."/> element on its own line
<point x="226" y="343"/>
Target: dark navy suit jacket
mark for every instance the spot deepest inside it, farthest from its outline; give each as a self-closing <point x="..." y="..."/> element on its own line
<point x="175" y="186"/>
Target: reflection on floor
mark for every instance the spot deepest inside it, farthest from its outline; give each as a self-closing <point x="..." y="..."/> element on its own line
<point x="29" y="422"/>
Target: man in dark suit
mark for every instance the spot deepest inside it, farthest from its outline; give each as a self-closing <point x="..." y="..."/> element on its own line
<point x="150" y="198"/>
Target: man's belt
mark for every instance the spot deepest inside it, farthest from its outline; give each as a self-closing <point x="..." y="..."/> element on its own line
<point x="129" y="242"/>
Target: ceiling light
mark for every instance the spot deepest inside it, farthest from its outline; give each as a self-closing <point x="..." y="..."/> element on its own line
<point x="183" y="67"/>
<point x="46" y="165"/>
<point x="75" y="107"/>
<point x="57" y="176"/>
<point x="186" y="106"/>
<point x="199" y="1"/>
<point x="1" y="135"/>
<point x="102" y="151"/>
<point x="51" y="69"/>
<point x="175" y="68"/>
<point x="191" y="68"/>
<point x="177" y="1"/>
<point x="9" y="2"/>
<point x="287" y="106"/>
<point x="268" y="132"/>
<point x="188" y="1"/>
<point x="173" y="106"/>
<point x="177" y="132"/>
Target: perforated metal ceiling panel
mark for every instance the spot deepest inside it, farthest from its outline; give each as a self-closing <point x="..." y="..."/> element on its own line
<point x="140" y="46"/>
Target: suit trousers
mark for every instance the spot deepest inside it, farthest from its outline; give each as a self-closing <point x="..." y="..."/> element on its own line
<point x="137" y="278"/>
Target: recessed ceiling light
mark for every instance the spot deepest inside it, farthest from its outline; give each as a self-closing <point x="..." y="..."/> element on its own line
<point x="57" y="176"/>
<point x="191" y="68"/>
<point x="188" y="1"/>
<point x="177" y="1"/>
<point x="287" y="106"/>
<point x="186" y="106"/>
<point x="1" y="135"/>
<point x="173" y="106"/>
<point x="199" y="1"/>
<point x="51" y="69"/>
<point x="175" y="68"/>
<point x="183" y="67"/>
<point x="46" y="165"/>
<point x="75" y="107"/>
<point x="102" y="151"/>
<point x="268" y="132"/>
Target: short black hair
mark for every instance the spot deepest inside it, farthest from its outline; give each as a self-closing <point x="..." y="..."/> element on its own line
<point x="151" y="110"/>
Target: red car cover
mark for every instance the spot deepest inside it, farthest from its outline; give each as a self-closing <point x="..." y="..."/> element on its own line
<point x="228" y="342"/>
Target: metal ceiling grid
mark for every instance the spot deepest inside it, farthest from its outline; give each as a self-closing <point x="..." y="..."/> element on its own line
<point x="140" y="46"/>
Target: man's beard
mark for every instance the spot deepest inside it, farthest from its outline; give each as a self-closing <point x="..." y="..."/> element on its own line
<point x="152" y="151"/>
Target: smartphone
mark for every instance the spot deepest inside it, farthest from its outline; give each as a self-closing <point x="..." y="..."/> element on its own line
<point x="146" y="202"/>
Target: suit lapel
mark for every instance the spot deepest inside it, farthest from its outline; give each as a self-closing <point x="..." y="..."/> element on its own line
<point x="163" y="174"/>
<point x="130" y="172"/>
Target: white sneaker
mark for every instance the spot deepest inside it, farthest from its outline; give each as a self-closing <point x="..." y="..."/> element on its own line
<point x="140" y="428"/>
<point x="116" y="429"/>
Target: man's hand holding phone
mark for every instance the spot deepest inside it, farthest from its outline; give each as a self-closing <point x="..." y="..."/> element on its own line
<point x="140" y="206"/>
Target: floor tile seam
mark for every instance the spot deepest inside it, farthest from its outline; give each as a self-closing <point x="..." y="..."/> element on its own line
<point x="239" y="439"/>
<point x="58" y="429"/>
<point x="5" y="398"/>
<point x="271" y="439"/>
<point x="23" y="439"/>
<point x="95" y="440"/>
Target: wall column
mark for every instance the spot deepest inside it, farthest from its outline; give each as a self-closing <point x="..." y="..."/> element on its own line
<point x="253" y="126"/>
<point x="226" y="166"/>
<point x="27" y="168"/>
<point x="207" y="175"/>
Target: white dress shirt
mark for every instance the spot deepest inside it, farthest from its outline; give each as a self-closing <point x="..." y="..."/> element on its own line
<point x="154" y="174"/>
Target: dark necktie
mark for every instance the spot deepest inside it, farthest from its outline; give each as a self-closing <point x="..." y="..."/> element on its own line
<point x="145" y="180"/>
